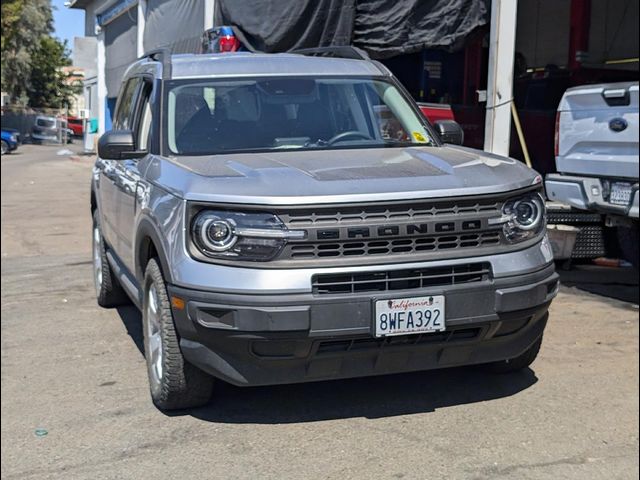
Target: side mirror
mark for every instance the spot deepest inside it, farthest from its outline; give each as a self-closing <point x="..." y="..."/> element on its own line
<point x="118" y="145"/>
<point x="450" y="131"/>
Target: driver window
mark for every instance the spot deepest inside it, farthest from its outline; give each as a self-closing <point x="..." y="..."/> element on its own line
<point x="125" y="108"/>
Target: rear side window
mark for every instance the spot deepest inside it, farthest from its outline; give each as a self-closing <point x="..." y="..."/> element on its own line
<point x="124" y="110"/>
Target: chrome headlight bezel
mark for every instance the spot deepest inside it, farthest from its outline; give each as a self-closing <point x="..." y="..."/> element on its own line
<point x="254" y="236"/>
<point x="518" y="227"/>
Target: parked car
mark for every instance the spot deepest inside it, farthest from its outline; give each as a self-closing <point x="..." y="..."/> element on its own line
<point x="48" y="129"/>
<point x="309" y="226"/>
<point x="10" y="140"/>
<point x="75" y="125"/>
<point x="596" y="155"/>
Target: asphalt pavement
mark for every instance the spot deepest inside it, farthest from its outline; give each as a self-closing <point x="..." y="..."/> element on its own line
<point x="75" y="402"/>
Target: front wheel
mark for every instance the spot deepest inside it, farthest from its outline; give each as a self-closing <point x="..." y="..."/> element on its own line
<point x="5" y="147"/>
<point x="174" y="383"/>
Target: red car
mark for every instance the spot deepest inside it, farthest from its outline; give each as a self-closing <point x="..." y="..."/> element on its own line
<point x="75" y="124"/>
<point x="436" y="111"/>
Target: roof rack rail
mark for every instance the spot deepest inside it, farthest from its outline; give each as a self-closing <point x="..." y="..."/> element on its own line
<point x="162" y="55"/>
<point x="344" y="51"/>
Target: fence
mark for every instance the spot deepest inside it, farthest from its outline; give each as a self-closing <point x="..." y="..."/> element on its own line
<point x="44" y="125"/>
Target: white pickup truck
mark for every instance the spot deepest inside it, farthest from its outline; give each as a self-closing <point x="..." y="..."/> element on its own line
<point x="596" y="152"/>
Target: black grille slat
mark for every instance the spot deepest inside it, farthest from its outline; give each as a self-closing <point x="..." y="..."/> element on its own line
<point x="405" y="279"/>
<point x="361" y="344"/>
<point x="379" y="247"/>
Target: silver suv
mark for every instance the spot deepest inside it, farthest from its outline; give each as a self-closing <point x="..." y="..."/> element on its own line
<point x="292" y="217"/>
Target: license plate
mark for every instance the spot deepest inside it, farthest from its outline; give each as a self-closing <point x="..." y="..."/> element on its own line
<point x="404" y="316"/>
<point x="620" y="193"/>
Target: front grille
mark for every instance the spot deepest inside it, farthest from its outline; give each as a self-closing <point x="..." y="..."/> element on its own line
<point x="364" y="344"/>
<point x="405" y="279"/>
<point x="393" y="231"/>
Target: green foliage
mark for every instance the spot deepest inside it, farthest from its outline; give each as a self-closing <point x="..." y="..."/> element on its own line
<point x="47" y="82"/>
<point x="31" y="57"/>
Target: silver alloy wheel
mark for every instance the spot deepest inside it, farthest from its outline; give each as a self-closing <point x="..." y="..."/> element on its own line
<point x="5" y="147"/>
<point x="154" y="338"/>
<point x="97" y="261"/>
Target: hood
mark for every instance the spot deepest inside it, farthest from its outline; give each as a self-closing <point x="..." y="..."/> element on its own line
<point x="338" y="176"/>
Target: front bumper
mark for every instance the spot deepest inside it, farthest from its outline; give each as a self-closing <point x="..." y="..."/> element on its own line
<point x="585" y="193"/>
<point x="249" y="339"/>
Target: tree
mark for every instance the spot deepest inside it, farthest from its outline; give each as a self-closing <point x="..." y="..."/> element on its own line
<point x="48" y="85"/>
<point x="24" y="23"/>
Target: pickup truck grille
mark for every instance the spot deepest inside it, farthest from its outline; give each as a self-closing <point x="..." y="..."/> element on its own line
<point x="404" y="279"/>
<point x="404" y="231"/>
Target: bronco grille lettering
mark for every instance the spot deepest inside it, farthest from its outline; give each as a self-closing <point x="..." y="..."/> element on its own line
<point x="358" y="232"/>
<point x="419" y="228"/>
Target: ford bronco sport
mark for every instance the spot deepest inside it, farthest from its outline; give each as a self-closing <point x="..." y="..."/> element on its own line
<point x="283" y="218"/>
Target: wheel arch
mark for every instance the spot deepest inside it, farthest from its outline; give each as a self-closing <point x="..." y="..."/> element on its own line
<point x="148" y="245"/>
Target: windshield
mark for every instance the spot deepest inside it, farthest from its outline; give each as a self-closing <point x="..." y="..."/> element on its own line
<point x="46" y="122"/>
<point x="294" y="113"/>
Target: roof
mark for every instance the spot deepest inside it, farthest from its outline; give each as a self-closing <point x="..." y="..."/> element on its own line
<point x="265" y="64"/>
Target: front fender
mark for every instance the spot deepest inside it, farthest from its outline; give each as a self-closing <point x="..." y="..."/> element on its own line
<point x="159" y="222"/>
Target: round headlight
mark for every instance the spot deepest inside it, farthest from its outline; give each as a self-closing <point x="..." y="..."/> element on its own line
<point x="214" y="233"/>
<point x="527" y="213"/>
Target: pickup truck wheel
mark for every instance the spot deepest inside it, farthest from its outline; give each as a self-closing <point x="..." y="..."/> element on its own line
<point x="5" y="147"/>
<point x="174" y="383"/>
<point x="109" y="293"/>
<point x="518" y="363"/>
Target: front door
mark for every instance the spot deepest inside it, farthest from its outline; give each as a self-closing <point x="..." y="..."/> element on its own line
<point x="128" y="174"/>
<point x="109" y="169"/>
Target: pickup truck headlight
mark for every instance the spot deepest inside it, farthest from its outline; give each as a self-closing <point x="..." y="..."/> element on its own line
<point x="523" y="217"/>
<point x="241" y="236"/>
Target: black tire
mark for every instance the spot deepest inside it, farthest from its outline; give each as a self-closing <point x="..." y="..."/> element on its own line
<point x="628" y="241"/>
<point x="516" y="364"/>
<point x="174" y="383"/>
<point x="109" y="292"/>
<point x="5" y="147"/>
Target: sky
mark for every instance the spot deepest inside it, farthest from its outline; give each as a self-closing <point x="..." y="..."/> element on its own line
<point x="67" y="22"/>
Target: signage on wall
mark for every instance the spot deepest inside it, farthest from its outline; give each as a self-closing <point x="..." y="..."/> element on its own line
<point x="434" y="69"/>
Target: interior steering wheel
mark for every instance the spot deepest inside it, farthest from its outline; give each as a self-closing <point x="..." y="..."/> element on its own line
<point x="351" y="133"/>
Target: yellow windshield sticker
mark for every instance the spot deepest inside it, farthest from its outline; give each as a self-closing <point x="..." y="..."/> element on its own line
<point x="419" y="137"/>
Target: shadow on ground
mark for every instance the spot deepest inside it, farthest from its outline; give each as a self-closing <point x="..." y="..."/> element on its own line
<point x="132" y="321"/>
<point x="370" y="397"/>
<point x="618" y="283"/>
